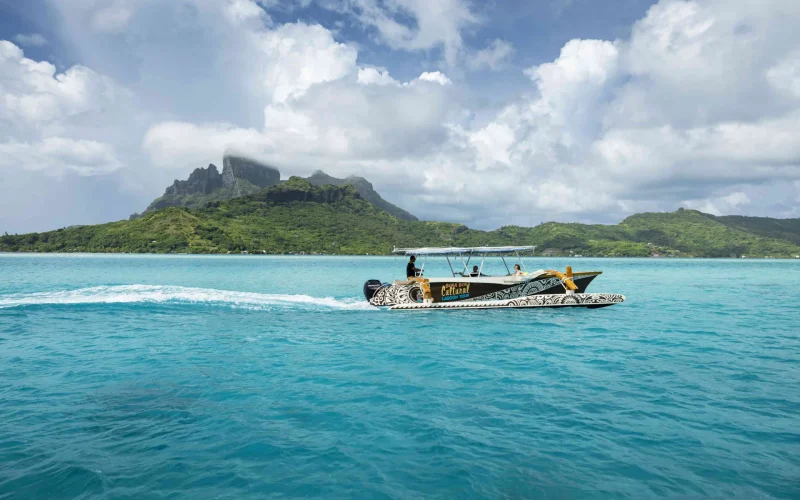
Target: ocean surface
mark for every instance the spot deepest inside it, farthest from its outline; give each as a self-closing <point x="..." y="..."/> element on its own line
<point x="249" y="377"/>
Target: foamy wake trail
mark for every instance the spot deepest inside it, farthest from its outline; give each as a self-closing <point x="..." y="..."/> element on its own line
<point x="130" y="294"/>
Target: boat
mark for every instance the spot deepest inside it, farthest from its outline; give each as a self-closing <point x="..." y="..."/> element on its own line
<point x="472" y="289"/>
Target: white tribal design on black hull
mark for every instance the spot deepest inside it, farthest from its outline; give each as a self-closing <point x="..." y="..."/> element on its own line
<point x="395" y="294"/>
<point x="548" y="300"/>
<point x="525" y="289"/>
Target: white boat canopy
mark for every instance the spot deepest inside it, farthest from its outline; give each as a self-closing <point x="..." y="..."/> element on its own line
<point x="461" y="251"/>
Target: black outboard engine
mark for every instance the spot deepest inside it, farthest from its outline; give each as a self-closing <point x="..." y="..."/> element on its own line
<point x="370" y="287"/>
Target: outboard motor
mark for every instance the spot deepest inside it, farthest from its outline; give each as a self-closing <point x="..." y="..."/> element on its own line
<point x="370" y="287"/>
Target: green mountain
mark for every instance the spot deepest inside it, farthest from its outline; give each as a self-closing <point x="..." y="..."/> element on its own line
<point x="239" y="177"/>
<point x="242" y="177"/>
<point x="786" y="229"/>
<point x="299" y="217"/>
<point x="695" y="233"/>
<point x="294" y="216"/>
<point x="364" y="188"/>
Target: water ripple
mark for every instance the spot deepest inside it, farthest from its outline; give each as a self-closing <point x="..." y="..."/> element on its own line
<point x="110" y="390"/>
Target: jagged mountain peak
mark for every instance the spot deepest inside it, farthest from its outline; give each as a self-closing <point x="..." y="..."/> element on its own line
<point x="242" y="176"/>
<point x="256" y="173"/>
<point x="201" y="180"/>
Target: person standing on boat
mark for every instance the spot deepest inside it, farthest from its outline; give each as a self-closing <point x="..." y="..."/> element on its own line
<point x="411" y="269"/>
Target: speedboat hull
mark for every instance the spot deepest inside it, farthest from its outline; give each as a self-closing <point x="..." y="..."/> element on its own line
<point x="473" y="289"/>
<point x="588" y="300"/>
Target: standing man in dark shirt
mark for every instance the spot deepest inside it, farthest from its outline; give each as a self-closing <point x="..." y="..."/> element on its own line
<point x="411" y="269"/>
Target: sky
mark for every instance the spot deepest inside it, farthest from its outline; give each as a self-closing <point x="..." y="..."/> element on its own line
<point x="484" y="113"/>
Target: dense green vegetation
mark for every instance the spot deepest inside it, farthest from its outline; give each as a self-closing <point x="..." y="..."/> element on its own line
<point x="787" y="229"/>
<point x="297" y="217"/>
<point x="695" y="233"/>
<point x="364" y="188"/>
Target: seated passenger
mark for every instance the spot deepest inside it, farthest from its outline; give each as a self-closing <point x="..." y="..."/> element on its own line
<point x="518" y="271"/>
<point x="475" y="272"/>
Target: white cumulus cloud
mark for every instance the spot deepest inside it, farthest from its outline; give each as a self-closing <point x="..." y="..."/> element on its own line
<point x="58" y="155"/>
<point x="297" y="56"/>
<point x="180" y="145"/>
<point x="433" y="23"/>
<point x="492" y="57"/>
<point x="435" y="77"/>
<point x="40" y="105"/>
<point x="33" y="94"/>
<point x="375" y="76"/>
<point x="30" y="40"/>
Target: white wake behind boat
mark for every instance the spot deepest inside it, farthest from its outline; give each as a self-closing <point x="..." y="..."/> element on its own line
<point x="472" y="289"/>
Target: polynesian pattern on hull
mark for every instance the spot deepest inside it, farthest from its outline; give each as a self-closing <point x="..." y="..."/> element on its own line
<point x="395" y="294"/>
<point x="525" y="289"/>
<point x="549" y="300"/>
<point x="584" y="299"/>
<point x="521" y="290"/>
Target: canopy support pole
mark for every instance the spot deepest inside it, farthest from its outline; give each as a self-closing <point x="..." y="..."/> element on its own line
<point x="521" y="261"/>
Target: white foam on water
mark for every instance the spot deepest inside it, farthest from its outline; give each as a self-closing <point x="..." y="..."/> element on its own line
<point x="131" y="294"/>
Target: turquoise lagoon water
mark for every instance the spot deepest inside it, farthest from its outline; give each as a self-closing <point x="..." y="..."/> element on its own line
<point x="249" y="377"/>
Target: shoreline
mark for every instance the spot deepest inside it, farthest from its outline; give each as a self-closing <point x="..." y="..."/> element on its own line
<point x="330" y="255"/>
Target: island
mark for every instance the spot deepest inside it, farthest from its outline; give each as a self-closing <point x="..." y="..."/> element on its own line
<point x="248" y="209"/>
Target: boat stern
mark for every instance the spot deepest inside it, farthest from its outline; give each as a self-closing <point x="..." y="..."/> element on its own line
<point x="385" y="294"/>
